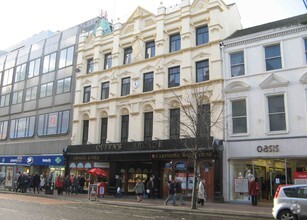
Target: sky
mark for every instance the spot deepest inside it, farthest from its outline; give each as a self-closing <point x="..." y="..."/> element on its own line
<point x="20" y="19"/>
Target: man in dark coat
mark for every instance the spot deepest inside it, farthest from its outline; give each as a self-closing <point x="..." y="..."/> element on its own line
<point x="36" y="182"/>
<point x="171" y="193"/>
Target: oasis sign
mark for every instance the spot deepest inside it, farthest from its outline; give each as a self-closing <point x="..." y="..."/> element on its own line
<point x="268" y="148"/>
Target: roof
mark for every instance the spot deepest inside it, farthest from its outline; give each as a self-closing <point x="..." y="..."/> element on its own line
<point x="297" y="20"/>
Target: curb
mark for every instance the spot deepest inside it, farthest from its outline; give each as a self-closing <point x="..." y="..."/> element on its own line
<point x="158" y="204"/>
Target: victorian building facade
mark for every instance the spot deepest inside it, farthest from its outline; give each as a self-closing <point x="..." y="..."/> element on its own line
<point x="265" y="101"/>
<point x="132" y="86"/>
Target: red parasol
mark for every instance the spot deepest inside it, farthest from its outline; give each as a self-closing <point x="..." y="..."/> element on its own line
<point x="97" y="172"/>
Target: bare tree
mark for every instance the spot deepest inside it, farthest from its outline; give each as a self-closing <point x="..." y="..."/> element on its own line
<point x="200" y="118"/>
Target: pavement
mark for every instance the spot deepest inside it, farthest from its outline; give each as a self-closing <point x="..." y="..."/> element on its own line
<point x="262" y="211"/>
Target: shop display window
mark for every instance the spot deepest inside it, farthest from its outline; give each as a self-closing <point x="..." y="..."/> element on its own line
<point x="134" y="174"/>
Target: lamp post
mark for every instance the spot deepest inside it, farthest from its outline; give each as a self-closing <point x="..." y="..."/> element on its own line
<point x="218" y="170"/>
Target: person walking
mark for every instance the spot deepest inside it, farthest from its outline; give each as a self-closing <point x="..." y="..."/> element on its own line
<point x="59" y="184"/>
<point x="171" y="193"/>
<point x="150" y="188"/>
<point x="202" y="192"/>
<point x="42" y="183"/>
<point x="139" y="189"/>
<point x="118" y="186"/>
<point x="253" y="190"/>
<point x="75" y="185"/>
<point x="178" y="188"/>
<point x="67" y="185"/>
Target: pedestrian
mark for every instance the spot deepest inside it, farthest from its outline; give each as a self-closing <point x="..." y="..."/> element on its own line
<point x="171" y="193"/>
<point x="118" y="186"/>
<point x="139" y="189"/>
<point x="202" y="196"/>
<point x="36" y="182"/>
<point x="42" y="183"/>
<point x="150" y="188"/>
<point x="81" y="183"/>
<point x="26" y="183"/>
<point x="178" y="188"/>
<point x="19" y="181"/>
<point x="75" y="185"/>
<point x="67" y="185"/>
<point x="59" y="184"/>
<point x="253" y="190"/>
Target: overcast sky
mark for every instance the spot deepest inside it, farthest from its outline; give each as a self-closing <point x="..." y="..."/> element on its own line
<point x="20" y="19"/>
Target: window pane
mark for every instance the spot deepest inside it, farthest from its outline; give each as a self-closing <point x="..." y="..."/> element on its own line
<point x="67" y="83"/>
<point x="272" y="57"/>
<point x="62" y="58"/>
<point x="46" y="64"/>
<point x="202" y="35"/>
<point x="237" y="64"/>
<point x="148" y="125"/>
<point x="239" y="117"/>
<point x="202" y="71"/>
<point x="277" y="116"/>
<point x="174" y="77"/>
<point x="277" y="122"/>
<point x="125" y="128"/>
<point x="70" y="56"/>
<point x="60" y="86"/>
<point x="40" y="126"/>
<point x="148" y="82"/>
<point x="174" y="123"/>
<point x="105" y="90"/>
<point x="125" y="86"/>
<point x="174" y="42"/>
<point x="65" y="122"/>
<point x="239" y="125"/>
<point x="52" y="123"/>
<point x="52" y="62"/>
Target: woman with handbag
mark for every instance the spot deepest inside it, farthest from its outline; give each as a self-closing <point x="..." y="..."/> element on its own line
<point x="253" y="190"/>
<point x="139" y="189"/>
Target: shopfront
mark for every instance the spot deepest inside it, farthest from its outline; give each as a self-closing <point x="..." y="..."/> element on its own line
<point x="272" y="163"/>
<point x="43" y="164"/>
<point x="163" y="159"/>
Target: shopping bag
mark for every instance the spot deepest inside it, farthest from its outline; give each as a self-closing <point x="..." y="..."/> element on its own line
<point x="148" y="191"/>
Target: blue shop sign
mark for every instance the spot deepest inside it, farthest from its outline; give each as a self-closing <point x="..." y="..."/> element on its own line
<point x="44" y="160"/>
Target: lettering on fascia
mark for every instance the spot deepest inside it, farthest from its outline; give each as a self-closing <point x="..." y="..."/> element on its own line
<point x="108" y="147"/>
<point x="268" y="148"/>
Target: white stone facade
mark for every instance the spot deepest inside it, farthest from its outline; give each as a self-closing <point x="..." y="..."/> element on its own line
<point x="271" y="153"/>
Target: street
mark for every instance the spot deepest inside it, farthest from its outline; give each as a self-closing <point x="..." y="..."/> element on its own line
<point x="19" y="206"/>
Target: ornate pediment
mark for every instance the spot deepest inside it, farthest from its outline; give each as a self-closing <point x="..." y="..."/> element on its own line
<point x="237" y="86"/>
<point x="303" y="79"/>
<point x="147" y="68"/>
<point x="201" y="55"/>
<point x="173" y="62"/>
<point x="273" y="81"/>
<point x="89" y="42"/>
<point x="139" y="13"/>
<point x="200" y="5"/>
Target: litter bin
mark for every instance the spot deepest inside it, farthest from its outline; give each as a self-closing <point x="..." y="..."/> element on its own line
<point x="49" y="188"/>
<point x="101" y="189"/>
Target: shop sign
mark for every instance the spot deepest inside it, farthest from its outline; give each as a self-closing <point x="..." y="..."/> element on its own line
<point x="180" y="166"/>
<point x="268" y="148"/>
<point x="44" y="160"/>
<point x="185" y="155"/>
<point x="86" y="158"/>
<point x="300" y="177"/>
